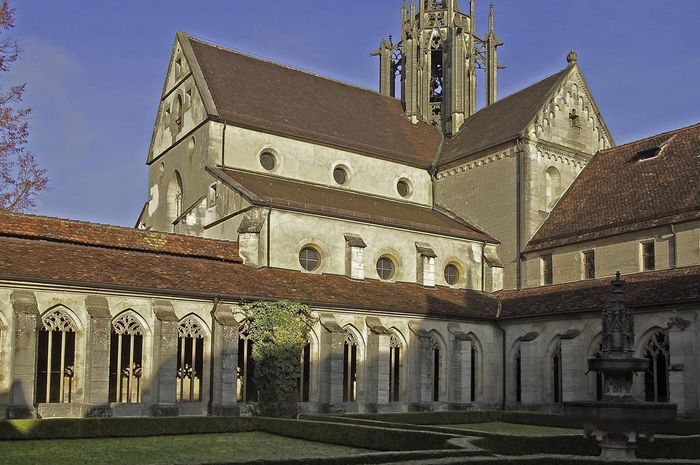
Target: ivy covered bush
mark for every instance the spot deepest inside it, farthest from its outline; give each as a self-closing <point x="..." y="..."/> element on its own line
<point x="279" y="331"/>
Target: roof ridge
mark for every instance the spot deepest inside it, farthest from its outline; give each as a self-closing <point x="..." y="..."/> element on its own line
<point x="671" y="132"/>
<point x="227" y="48"/>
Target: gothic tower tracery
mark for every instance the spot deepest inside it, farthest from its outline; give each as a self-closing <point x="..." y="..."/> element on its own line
<point x="436" y="59"/>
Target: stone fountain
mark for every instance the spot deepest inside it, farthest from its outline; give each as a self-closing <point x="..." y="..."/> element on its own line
<point x="619" y="419"/>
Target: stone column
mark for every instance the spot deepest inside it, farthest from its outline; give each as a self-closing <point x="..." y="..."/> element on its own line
<point x="224" y="353"/>
<point x="574" y="365"/>
<point x="165" y="360"/>
<point x="420" y="347"/>
<point x="332" y="338"/>
<point x="682" y="378"/>
<point x="24" y="325"/>
<point x="378" y="361"/>
<point x="97" y="335"/>
<point x="461" y="369"/>
<point x="531" y="365"/>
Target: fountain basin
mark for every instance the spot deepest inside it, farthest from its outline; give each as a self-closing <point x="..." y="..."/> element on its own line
<point x="614" y="365"/>
<point x="622" y="415"/>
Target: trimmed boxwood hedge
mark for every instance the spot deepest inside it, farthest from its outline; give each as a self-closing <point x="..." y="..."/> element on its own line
<point x="76" y="428"/>
<point x="368" y="437"/>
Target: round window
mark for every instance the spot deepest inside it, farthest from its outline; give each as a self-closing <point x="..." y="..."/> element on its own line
<point x="451" y="274"/>
<point x="403" y="188"/>
<point x="340" y="175"/>
<point x="385" y="268"/>
<point x="268" y="161"/>
<point x="309" y="258"/>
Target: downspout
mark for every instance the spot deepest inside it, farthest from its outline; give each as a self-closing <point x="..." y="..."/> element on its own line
<point x="269" y="220"/>
<point x="483" y="266"/>
<point x="503" y="355"/>
<point x="675" y="247"/>
<point x="212" y="352"/>
<point x="223" y="146"/>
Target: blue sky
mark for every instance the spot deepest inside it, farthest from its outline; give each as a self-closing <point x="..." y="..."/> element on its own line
<point x="95" y="70"/>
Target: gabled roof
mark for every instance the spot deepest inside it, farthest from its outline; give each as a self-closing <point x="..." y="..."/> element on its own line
<point x="267" y="96"/>
<point x="641" y="290"/>
<point x="112" y="237"/>
<point x="310" y="198"/>
<point x="502" y="121"/>
<point x="640" y="185"/>
<point x="113" y="262"/>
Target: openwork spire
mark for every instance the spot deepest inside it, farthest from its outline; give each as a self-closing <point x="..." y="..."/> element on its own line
<point x="618" y="324"/>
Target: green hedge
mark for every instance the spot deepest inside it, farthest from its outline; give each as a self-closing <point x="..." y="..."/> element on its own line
<point x="368" y="437"/>
<point x="75" y="428"/>
<point x="431" y="418"/>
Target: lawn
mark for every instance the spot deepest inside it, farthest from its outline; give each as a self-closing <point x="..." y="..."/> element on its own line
<point x="514" y="429"/>
<point x="206" y="448"/>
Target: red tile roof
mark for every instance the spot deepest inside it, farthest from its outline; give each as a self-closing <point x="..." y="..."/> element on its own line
<point x="271" y="97"/>
<point x="113" y="237"/>
<point x="86" y="266"/>
<point x="299" y="196"/>
<point x="623" y="190"/>
<point x="641" y="290"/>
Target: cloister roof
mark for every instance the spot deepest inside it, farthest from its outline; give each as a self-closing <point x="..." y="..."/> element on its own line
<point x="640" y="185"/>
<point x="642" y="290"/>
<point x="85" y="261"/>
<point x="114" y="237"/>
<point x="323" y="200"/>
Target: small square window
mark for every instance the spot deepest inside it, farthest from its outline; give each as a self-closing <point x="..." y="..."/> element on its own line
<point x="547" y="271"/>
<point x="588" y="264"/>
<point x="648" y="256"/>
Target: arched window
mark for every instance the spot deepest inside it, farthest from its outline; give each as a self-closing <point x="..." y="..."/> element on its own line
<point x="190" y="360"/>
<point x="657" y="351"/>
<point x="125" y="359"/>
<point x="305" y="374"/>
<point x="350" y="367"/>
<point x="474" y="357"/>
<point x="394" y="369"/>
<point x="56" y="358"/>
<point x="518" y="376"/>
<point x="556" y="374"/>
<point x="552" y="187"/>
<point x="247" y="392"/>
<point x="175" y="196"/>
<point x="436" y="354"/>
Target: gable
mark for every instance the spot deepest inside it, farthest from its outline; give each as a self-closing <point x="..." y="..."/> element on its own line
<point x="570" y="117"/>
<point x="185" y="100"/>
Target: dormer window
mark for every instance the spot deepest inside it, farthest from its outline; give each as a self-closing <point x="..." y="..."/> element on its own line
<point x="179" y="112"/>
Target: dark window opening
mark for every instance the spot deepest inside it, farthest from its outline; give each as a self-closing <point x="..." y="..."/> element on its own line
<point x="305" y="375"/>
<point x="125" y="361"/>
<point x="547" y="270"/>
<point x="394" y="369"/>
<point x="518" y="377"/>
<point x="556" y="374"/>
<point x="648" y="256"/>
<point x="589" y="264"/>
<point x="436" y="374"/>
<point x="246" y="389"/>
<point x="350" y="369"/>
<point x="474" y="354"/>
<point x="437" y="80"/>
<point x="656" y="385"/>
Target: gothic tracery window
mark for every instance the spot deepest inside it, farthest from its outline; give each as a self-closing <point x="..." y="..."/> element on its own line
<point x="190" y="360"/>
<point x="56" y="358"/>
<point x="350" y="367"/>
<point x="247" y="392"/>
<point x="394" y="369"/>
<point x="126" y="359"/>
<point x="657" y="351"/>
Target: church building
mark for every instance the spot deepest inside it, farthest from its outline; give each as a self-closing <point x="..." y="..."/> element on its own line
<point x="456" y="257"/>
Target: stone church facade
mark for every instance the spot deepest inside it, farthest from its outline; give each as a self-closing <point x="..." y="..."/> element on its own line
<point x="455" y="258"/>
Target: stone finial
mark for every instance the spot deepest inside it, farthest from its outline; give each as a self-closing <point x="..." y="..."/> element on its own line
<point x="572" y="58"/>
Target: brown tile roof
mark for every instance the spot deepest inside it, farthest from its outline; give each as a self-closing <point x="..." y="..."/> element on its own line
<point x="299" y="196"/>
<point x="641" y="290"/>
<point x="268" y="96"/>
<point x="621" y="191"/>
<point x="113" y="237"/>
<point x="85" y="266"/>
<point x="501" y="122"/>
